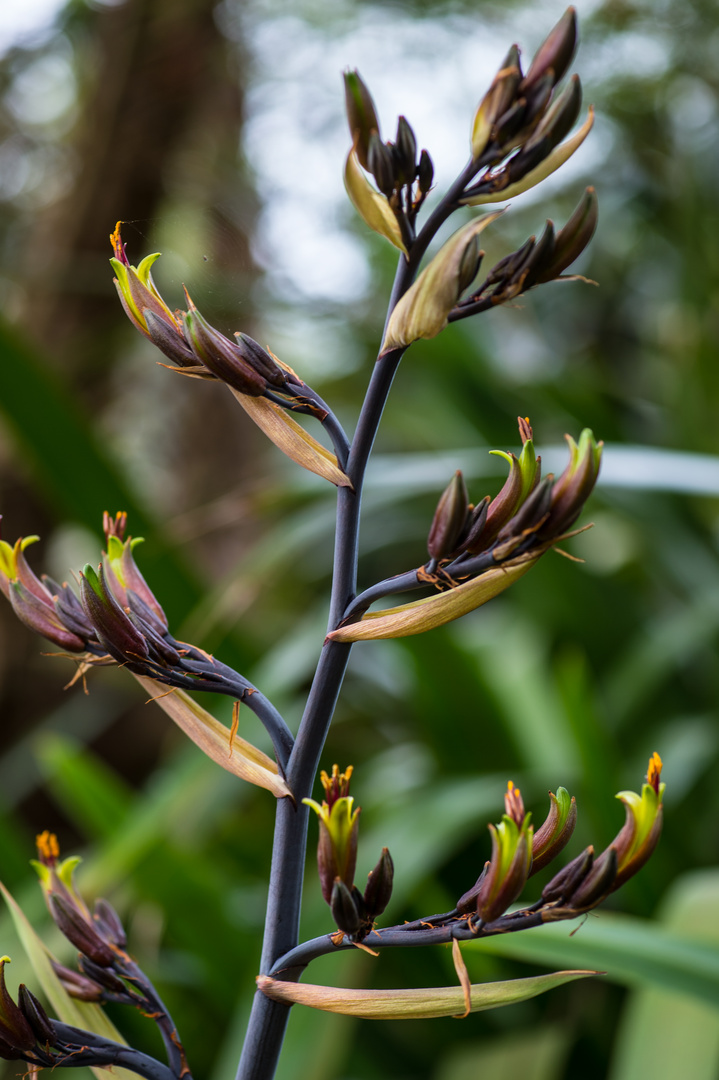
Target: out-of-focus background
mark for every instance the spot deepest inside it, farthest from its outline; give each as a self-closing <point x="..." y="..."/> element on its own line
<point x="217" y="133"/>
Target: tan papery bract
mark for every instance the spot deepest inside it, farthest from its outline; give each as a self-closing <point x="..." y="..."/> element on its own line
<point x="419" y="1004"/>
<point x="423" y="310"/>
<point x="233" y="753"/>
<point x="292" y="439"/>
<point x="433" y="611"/>
<point x="372" y="207"/>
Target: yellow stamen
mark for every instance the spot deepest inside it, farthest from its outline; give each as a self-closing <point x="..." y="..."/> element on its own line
<point x="47" y="845"/>
<point x="654" y="770"/>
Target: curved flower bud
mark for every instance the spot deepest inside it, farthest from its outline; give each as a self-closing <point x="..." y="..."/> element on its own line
<point x="125" y="577"/>
<point x="643" y="825"/>
<point x="115" y="631"/>
<point x="572" y="489"/>
<point x="510" y="862"/>
<point x="339" y="826"/>
<point x="449" y="518"/>
<point x="378" y="890"/>
<point x="556" y="832"/>
<point x="556" y="51"/>
<point x="220" y="355"/>
<point x="16" y="1033"/>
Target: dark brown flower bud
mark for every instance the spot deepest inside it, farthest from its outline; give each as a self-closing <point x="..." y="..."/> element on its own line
<point x="571" y="240"/>
<point x="343" y="908"/>
<point x="72" y="923"/>
<point x="221" y="356"/>
<point x="449" y="518"/>
<point x="36" y="1016"/>
<point x="109" y="924"/>
<point x="379" y="885"/>
<point x="405" y="152"/>
<point x="381" y="163"/>
<point x="361" y="114"/>
<point x="259" y="359"/>
<point x="556" y="52"/>
<point x="425" y="172"/>
<point x="569" y="877"/>
<point x="168" y="340"/>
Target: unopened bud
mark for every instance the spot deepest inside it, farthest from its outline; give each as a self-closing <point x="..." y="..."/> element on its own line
<point x="571" y="241"/>
<point x="36" y="1016"/>
<point x="449" y="518"/>
<point x="108" y="923"/>
<point x="559" y="119"/>
<point x="569" y="878"/>
<point x="221" y="356"/>
<point x="379" y="885"/>
<point x="597" y="884"/>
<point x="405" y="150"/>
<point x="15" y="1030"/>
<point x="361" y="114"/>
<point x="381" y="163"/>
<point x="259" y="359"/>
<point x="496" y="102"/>
<point x="468" y="267"/>
<point x="556" y="52"/>
<point x="555" y="833"/>
<point x="425" y="172"/>
<point x="343" y="908"/>
<point x="79" y="932"/>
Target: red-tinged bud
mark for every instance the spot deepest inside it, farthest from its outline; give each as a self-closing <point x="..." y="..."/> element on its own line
<point x="508" y="867"/>
<point x="449" y="518"/>
<point x="541" y="253"/>
<point x="569" y="878"/>
<point x="124" y="577"/>
<point x="537" y="97"/>
<point x="36" y="1016"/>
<point x="72" y="923"/>
<point x="78" y="985"/>
<point x="556" y="52"/>
<point x="15" y="1030"/>
<point x="643" y="825"/>
<point x="574" y="486"/>
<point x="361" y="114"/>
<point x="114" y="629"/>
<point x="378" y="890"/>
<point x="503" y="512"/>
<point x="339" y="826"/>
<point x="555" y="833"/>
<point x="221" y="356"/>
<point x="343" y="908"/>
<point x="43" y="618"/>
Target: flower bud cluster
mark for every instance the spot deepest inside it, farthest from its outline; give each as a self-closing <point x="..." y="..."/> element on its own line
<point x="536" y="262"/>
<point x="395" y="166"/>
<point x="115" y="618"/>
<point x="526" y="516"/>
<point x="26" y="1033"/>
<point x="354" y="912"/>
<point x="518" y="852"/>
<point x="525" y="116"/>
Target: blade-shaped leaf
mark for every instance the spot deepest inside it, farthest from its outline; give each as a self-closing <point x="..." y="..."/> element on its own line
<point x="234" y="754"/>
<point x="292" y="439"/>
<point x="81" y="1014"/>
<point x="417" y="1004"/>
<point x="432" y="611"/>
<point x="632" y="951"/>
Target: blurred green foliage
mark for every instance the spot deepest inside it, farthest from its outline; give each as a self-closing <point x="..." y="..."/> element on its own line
<point x="573" y="677"/>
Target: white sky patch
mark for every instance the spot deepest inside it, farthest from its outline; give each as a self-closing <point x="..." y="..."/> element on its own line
<point x="434" y="71"/>
<point x="23" y="21"/>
